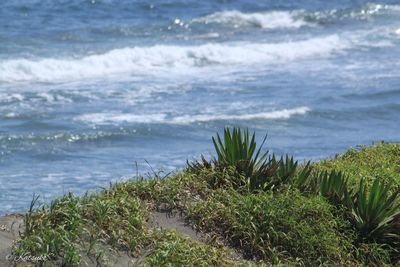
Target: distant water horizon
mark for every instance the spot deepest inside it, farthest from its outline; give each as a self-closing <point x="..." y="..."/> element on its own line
<point x="90" y="89"/>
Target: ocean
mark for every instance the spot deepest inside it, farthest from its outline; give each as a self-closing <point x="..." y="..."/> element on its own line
<point x="93" y="92"/>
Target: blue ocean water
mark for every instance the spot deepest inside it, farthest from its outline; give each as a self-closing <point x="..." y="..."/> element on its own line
<point x="88" y="88"/>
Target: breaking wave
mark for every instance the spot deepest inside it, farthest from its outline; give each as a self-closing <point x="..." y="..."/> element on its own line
<point x="293" y="19"/>
<point x="183" y="59"/>
<point x="112" y="118"/>
<point x="266" y="20"/>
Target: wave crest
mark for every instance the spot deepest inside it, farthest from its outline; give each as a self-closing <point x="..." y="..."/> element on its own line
<point x="266" y="20"/>
<point x="112" y="118"/>
<point x="183" y="59"/>
<point x="293" y="19"/>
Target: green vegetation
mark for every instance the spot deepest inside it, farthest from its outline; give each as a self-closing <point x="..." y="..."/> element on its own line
<point x="374" y="213"/>
<point x="380" y="161"/>
<point x="238" y="150"/>
<point x="171" y="249"/>
<point x="334" y="187"/>
<point x="71" y="226"/>
<point x="77" y="231"/>
<point x="279" y="228"/>
<point x="372" y="207"/>
<point x="253" y="170"/>
<point x="251" y="208"/>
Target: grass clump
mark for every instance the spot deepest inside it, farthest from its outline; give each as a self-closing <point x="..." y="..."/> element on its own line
<point x="171" y="249"/>
<point x="71" y="226"/>
<point x="175" y="192"/>
<point x="278" y="228"/>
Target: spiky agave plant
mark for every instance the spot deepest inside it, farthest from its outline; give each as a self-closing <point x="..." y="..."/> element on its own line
<point x="265" y="176"/>
<point x="302" y="180"/>
<point x="287" y="168"/>
<point x="274" y="173"/>
<point x="334" y="186"/>
<point x="239" y="150"/>
<point x="262" y="172"/>
<point x="374" y="212"/>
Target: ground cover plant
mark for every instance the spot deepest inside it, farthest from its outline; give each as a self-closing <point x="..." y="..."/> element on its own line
<point x="264" y="208"/>
<point x="81" y="231"/>
<point x="278" y="228"/>
<point x="379" y="161"/>
<point x="372" y="206"/>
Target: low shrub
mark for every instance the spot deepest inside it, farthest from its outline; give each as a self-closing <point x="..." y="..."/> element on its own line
<point x="372" y="254"/>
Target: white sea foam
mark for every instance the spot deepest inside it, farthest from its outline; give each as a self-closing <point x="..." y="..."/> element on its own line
<point x="267" y="20"/>
<point x="289" y="19"/>
<point x="373" y="8"/>
<point x="113" y="118"/>
<point x="278" y="114"/>
<point x="11" y="115"/>
<point x="182" y="59"/>
<point x="7" y="97"/>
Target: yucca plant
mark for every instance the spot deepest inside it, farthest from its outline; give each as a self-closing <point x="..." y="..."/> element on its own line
<point x="265" y="176"/>
<point x="239" y="150"/>
<point x="302" y="180"/>
<point x="278" y="172"/>
<point x="263" y="172"/>
<point x="374" y="212"/>
<point x="255" y="169"/>
<point x="334" y="186"/>
<point x="287" y="168"/>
